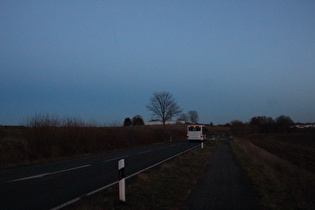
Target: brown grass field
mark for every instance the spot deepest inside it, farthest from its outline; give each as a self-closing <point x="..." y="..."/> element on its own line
<point x="281" y="166"/>
<point x="29" y="145"/>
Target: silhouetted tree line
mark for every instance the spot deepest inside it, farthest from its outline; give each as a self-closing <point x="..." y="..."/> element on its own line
<point x="135" y="121"/>
<point x="262" y="124"/>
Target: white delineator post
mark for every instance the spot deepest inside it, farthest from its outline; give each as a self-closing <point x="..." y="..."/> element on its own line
<point x="201" y="145"/>
<point x="121" y="175"/>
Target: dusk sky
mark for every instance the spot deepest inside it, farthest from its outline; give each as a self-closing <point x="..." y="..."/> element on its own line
<point x="101" y="61"/>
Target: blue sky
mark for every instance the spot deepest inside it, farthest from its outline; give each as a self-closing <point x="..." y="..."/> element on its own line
<point x="101" y="61"/>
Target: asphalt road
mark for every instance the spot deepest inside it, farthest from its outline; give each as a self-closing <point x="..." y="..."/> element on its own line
<point x="57" y="184"/>
<point x="223" y="184"/>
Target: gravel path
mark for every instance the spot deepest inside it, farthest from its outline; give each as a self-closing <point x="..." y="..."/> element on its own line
<point x="223" y="184"/>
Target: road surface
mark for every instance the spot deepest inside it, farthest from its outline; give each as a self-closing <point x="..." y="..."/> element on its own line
<point x="223" y="184"/>
<point x="58" y="184"/>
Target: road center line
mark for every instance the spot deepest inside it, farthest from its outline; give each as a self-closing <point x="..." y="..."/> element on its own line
<point x="115" y="158"/>
<point x="161" y="148"/>
<point x="69" y="169"/>
<point x="140" y="153"/>
<point x="47" y="174"/>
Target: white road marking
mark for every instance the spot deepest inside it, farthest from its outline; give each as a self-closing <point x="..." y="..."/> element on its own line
<point x="115" y="158"/>
<point x="29" y="177"/>
<point x="140" y="153"/>
<point x="161" y="148"/>
<point x="47" y="174"/>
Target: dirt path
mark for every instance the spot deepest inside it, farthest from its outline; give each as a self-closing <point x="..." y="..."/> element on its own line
<point x="223" y="185"/>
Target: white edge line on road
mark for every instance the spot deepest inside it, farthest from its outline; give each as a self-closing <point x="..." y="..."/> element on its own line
<point x="115" y="158"/>
<point x="109" y="185"/>
<point x="46" y="174"/>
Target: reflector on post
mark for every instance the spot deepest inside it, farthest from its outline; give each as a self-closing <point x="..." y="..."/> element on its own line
<point x="121" y="177"/>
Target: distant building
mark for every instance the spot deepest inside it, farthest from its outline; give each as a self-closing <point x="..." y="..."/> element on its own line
<point x="305" y="125"/>
<point x="159" y="122"/>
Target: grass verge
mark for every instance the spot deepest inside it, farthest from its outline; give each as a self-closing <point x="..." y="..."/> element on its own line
<point x="254" y="173"/>
<point x="164" y="187"/>
<point x="280" y="183"/>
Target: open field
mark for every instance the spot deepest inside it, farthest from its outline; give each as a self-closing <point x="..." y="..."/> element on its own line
<point x="281" y="166"/>
<point x="298" y="148"/>
<point x="28" y="145"/>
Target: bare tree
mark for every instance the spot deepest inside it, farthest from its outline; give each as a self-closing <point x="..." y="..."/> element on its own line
<point x="183" y="117"/>
<point x="193" y="117"/>
<point x="163" y="106"/>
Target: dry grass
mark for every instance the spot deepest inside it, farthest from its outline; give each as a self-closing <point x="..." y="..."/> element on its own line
<point x="51" y="140"/>
<point x="298" y="148"/>
<point x="280" y="182"/>
<point x="23" y="145"/>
